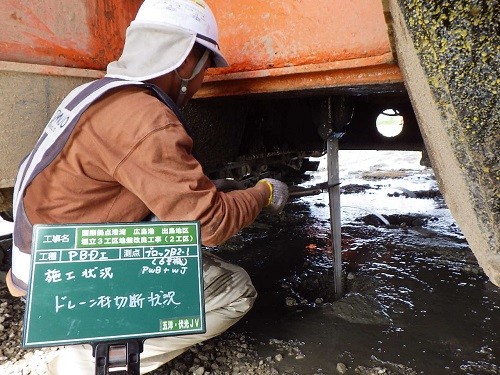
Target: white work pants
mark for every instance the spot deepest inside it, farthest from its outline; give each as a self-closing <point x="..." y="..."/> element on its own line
<point x="229" y="294"/>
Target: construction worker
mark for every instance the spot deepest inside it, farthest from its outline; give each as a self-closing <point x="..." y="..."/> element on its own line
<point x="118" y="150"/>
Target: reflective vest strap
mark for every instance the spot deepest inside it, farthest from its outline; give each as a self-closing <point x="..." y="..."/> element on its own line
<point x="49" y="145"/>
<point x="60" y="127"/>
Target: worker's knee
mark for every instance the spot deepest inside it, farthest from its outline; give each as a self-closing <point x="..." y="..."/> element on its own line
<point x="247" y="291"/>
<point x="73" y="359"/>
<point x="227" y="285"/>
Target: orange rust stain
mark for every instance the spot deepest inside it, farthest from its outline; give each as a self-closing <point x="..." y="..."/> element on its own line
<point x="265" y="34"/>
<point x="107" y="24"/>
<point x="15" y="17"/>
<point x="71" y="33"/>
<point x="28" y="17"/>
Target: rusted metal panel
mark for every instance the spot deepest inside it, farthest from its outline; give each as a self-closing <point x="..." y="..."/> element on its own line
<point x="300" y="45"/>
<point x="272" y="45"/>
<point x="83" y="34"/>
<point x="264" y="34"/>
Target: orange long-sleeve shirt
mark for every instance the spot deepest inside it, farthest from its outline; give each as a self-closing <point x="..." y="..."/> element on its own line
<point x="129" y="156"/>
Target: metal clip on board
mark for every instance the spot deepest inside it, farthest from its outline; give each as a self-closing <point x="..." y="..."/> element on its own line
<point x="118" y="357"/>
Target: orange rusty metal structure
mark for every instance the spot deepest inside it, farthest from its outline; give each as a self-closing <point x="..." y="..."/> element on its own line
<point x="273" y="46"/>
<point x="84" y="34"/>
<point x="276" y="46"/>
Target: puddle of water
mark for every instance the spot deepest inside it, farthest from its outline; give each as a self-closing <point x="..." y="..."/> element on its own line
<point x="416" y="300"/>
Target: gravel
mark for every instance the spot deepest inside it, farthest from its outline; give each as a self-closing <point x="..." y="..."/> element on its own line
<point x="231" y="353"/>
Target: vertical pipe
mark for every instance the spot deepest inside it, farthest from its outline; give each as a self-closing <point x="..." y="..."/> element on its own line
<point x="334" y="195"/>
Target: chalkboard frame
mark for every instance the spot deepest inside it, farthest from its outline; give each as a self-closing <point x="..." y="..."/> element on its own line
<point x="167" y="246"/>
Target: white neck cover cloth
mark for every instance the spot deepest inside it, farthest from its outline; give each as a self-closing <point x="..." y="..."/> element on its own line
<point x="150" y="51"/>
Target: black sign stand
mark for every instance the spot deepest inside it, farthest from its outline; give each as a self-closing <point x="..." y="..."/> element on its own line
<point x="118" y="357"/>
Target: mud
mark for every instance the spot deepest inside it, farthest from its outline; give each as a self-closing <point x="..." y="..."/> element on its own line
<point x="415" y="300"/>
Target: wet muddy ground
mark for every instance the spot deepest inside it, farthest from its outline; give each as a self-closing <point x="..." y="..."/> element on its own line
<point x="415" y="300"/>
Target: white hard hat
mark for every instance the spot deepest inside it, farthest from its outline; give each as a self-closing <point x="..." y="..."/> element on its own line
<point x="162" y="35"/>
<point x="192" y="15"/>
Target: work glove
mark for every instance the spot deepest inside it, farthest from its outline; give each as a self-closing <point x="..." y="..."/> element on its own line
<point x="226" y="184"/>
<point x="278" y="197"/>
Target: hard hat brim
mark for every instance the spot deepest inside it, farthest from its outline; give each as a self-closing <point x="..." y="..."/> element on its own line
<point x="219" y="60"/>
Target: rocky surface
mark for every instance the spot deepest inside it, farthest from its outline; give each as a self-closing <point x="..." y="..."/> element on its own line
<point x="448" y="54"/>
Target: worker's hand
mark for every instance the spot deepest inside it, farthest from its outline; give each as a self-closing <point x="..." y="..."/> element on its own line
<point x="278" y="197"/>
<point x="226" y="184"/>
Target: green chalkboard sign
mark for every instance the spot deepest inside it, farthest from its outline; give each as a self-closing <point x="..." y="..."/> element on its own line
<point x="102" y="282"/>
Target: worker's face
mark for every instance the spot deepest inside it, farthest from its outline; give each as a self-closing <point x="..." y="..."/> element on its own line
<point x="186" y="70"/>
